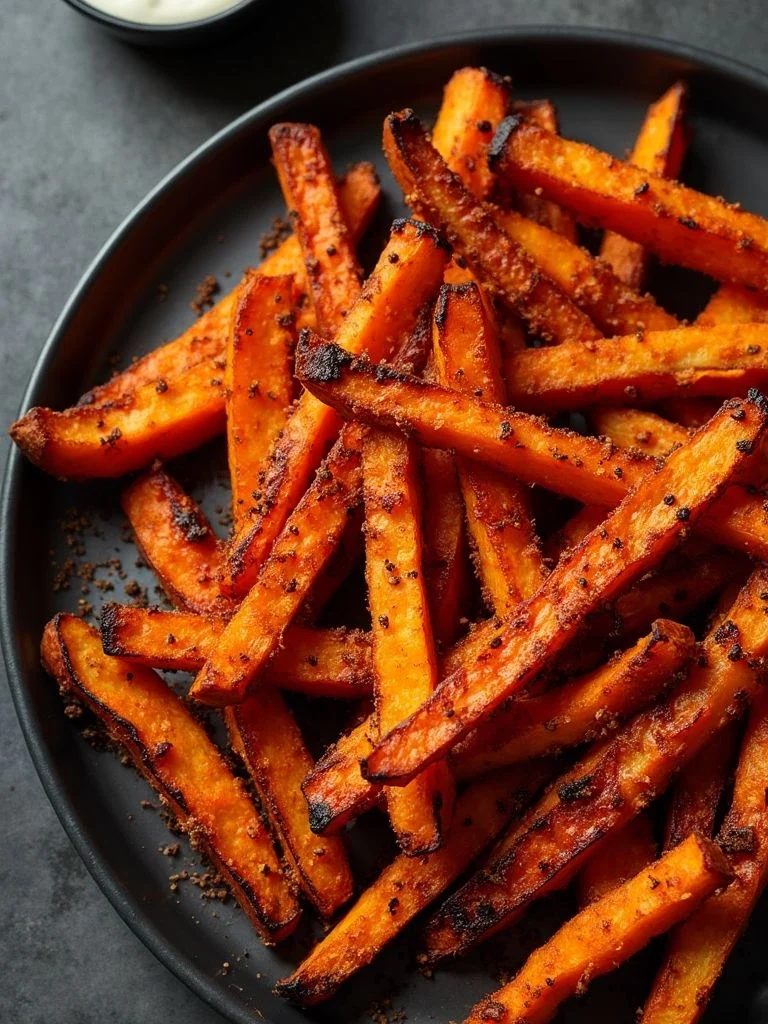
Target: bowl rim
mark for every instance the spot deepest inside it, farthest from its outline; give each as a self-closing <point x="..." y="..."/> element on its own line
<point x="124" y="25"/>
<point x="124" y="902"/>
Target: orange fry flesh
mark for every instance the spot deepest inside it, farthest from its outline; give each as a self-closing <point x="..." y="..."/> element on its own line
<point x="498" y="510"/>
<point x="639" y="428"/>
<point x="699" y="948"/>
<point x="680" y="225"/>
<point x="408" y="273"/>
<point x="604" y="791"/>
<point x="621" y="858"/>
<point x="409" y="884"/>
<point x="733" y="305"/>
<point x="544" y="114"/>
<point x="176" y="540"/>
<point x="318" y="662"/>
<point x="659" y="148"/>
<point x="173" y="752"/>
<point x="604" y="934"/>
<point x="404" y="662"/>
<point x="334" y="790"/>
<point x="632" y="539"/>
<point x="265" y="734"/>
<point x="314" y="207"/>
<point x="259" y="381"/>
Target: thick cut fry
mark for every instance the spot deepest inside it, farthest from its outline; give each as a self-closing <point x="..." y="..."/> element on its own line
<point x="173" y="752"/>
<point x="410" y="884"/>
<point x="605" y="934"/>
<point x="176" y="540"/>
<point x="475" y="101"/>
<point x="605" y="791"/>
<point x="593" y="472"/>
<point x="638" y="428"/>
<point x="631" y="540"/>
<point x="677" y="223"/>
<point x="408" y="273"/>
<point x="506" y="548"/>
<point x="446" y="565"/>
<point x="334" y="790"/>
<point x="698" y="949"/>
<point x="580" y="710"/>
<point x="724" y="361"/>
<point x="404" y="661"/>
<point x="660" y="148"/>
<point x="544" y="114"/>
<point x="264" y="733"/>
<point x="699" y="788"/>
<point x="155" y="421"/>
<point x="318" y="662"/>
<point x="259" y="380"/>
<point x="733" y="305"/>
<point x="497" y="260"/>
<point x="621" y="858"/>
<point x="314" y="207"/>
<point x="299" y="554"/>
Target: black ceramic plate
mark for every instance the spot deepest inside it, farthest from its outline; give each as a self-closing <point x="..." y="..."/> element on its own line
<point x="206" y="218"/>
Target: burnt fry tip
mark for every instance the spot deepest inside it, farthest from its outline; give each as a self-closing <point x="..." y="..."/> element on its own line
<point x="499" y="141"/>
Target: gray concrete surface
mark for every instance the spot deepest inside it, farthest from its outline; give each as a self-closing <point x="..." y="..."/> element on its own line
<point x="87" y="126"/>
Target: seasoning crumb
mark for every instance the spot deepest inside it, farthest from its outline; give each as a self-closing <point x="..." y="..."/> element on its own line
<point x="205" y="294"/>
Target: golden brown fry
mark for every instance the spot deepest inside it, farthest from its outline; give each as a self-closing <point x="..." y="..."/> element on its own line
<point x="410" y="884"/>
<point x="605" y="791"/>
<point x="698" y="949"/>
<point x="259" y="380"/>
<point x="544" y="114"/>
<point x="593" y="472"/>
<point x="580" y="710"/>
<point x="699" y="788"/>
<point x="660" y="148"/>
<point x="408" y="273"/>
<point x="264" y="733"/>
<point x="638" y="428"/>
<point x="622" y="857"/>
<point x="605" y="934"/>
<point x="404" y="662"/>
<point x="173" y="752"/>
<point x="734" y="305"/>
<point x="314" y="207"/>
<point x="632" y="539"/>
<point x="176" y="540"/>
<point x="506" y="548"/>
<point x="318" y="662"/>
<point x="491" y="254"/>
<point x="723" y="361"/>
<point x="680" y="225"/>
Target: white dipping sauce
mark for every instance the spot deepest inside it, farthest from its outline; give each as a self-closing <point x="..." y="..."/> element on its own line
<point x="162" y="12"/>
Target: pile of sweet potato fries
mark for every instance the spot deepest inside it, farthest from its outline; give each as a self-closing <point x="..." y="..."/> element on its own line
<point x="399" y="420"/>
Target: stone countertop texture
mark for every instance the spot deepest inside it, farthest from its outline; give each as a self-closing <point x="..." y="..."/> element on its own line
<point x="87" y="126"/>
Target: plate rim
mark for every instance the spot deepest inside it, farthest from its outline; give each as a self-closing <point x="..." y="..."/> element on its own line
<point x="100" y="870"/>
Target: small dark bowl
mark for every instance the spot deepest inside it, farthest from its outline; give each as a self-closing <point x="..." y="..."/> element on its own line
<point x="183" y="34"/>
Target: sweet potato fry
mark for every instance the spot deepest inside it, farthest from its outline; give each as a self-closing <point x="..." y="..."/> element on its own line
<point x="630" y="541"/>
<point x="723" y="361"/>
<point x="544" y="114"/>
<point x="604" y="792"/>
<point x="264" y="733"/>
<point x="698" y="789"/>
<point x="446" y="558"/>
<point x="334" y="790"/>
<point x="259" y="380"/>
<point x="733" y="305"/>
<point x="176" y="540"/>
<point x="173" y="752"/>
<point x="309" y="188"/>
<point x="404" y="661"/>
<point x="318" y="662"/>
<point x="638" y="428"/>
<point x="475" y="101"/>
<point x="155" y="421"/>
<point x="299" y="554"/>
<point x="660" y="148"/>
<point x="621" y="858"/>
<point x="580" y="710"/>
<point x="409" y="884"/>
<point x="698" y="949"/>
<point x="605" y="934"/>
<point x="508" y="557"/>
<point x="408" y="272"/>
<point x="593" y="472"/>
<point x="680" y="225"/>
<point x="491" y="254"/>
